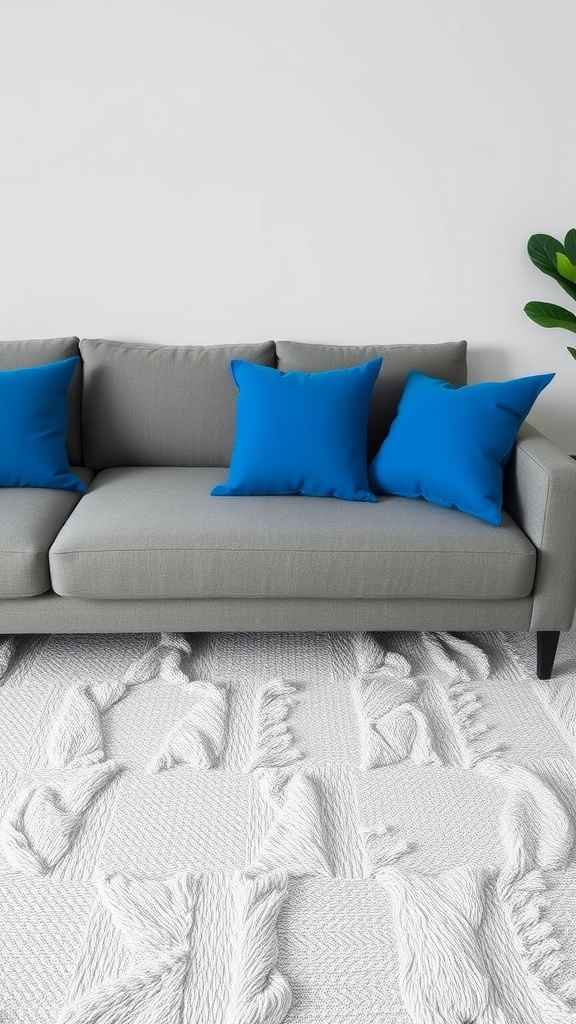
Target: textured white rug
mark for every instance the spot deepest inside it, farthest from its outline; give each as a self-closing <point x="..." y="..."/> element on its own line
<point x="322" y="829"/>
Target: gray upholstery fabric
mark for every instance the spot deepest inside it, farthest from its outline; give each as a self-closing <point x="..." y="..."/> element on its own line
<point x="540" y="492"/>
<point x="446" y="360"/>
<point x="53" y="614"/>
<point x="153" y="533"/>
<point x="15" y="355"/>
<point x="157" y="405"/>
<point x="30" y="518"/>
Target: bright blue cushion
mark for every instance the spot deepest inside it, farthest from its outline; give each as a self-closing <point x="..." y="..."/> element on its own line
<point x="450" y="445"/>
<point x="301" y="433"/>
<point x="33" y="425"/>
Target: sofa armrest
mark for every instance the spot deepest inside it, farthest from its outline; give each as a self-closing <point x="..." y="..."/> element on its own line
<point x="540" y="494"/>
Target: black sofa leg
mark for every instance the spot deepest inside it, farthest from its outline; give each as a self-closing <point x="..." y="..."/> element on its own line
<point x="546" y="644"/>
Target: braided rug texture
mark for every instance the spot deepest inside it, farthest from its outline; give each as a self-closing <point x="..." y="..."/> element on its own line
<point x="317" y="829"/>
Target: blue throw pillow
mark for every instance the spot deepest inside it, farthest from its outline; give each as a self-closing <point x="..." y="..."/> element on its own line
<point x="450" y="445"/>
<point x="33" y="425"/>
<point x="301" y="433"/>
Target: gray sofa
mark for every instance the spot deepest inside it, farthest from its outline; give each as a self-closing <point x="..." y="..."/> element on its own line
<point x="147" y="548"/>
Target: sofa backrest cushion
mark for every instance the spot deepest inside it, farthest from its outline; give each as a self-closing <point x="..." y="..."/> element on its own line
<point x="16" y="355"/>
<point x="446" y="360"/>
<point x="160" y="405"/>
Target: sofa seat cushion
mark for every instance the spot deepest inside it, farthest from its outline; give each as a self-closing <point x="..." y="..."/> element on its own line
<point x="30" y="518"/>
<point x="157" y="533"/>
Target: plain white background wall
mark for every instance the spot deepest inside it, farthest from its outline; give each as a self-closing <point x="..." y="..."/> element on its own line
<point x="351" y="171"/>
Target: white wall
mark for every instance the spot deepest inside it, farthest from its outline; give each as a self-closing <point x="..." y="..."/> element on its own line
<point x="353" y="170"/>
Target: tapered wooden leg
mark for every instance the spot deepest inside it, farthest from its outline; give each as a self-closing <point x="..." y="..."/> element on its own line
<point x="546" y="644"/>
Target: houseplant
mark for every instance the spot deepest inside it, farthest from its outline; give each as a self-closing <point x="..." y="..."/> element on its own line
<point x="557" y="260"/>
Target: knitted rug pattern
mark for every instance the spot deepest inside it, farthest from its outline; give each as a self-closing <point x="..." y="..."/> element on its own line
<point x="310" y="828"/>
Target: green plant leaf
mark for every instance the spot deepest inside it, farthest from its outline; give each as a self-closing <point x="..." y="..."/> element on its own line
<point x="565" y="267"/>
<point x="547" y="314"/>
<point x="570" y="245"/>
<point x="543" y="250"/>
<point x="572" y="351"/>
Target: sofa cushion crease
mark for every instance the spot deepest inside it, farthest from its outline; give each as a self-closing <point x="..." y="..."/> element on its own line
<point x="30" y="519"/>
